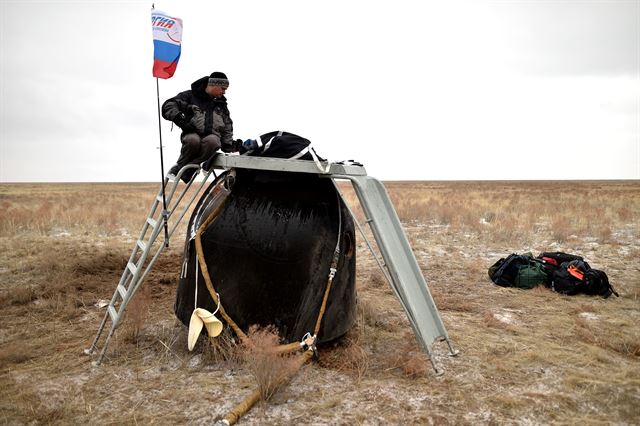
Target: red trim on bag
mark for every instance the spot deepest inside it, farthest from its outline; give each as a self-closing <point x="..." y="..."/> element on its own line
<point x="575" y="272"/>
<point x="550" y="260"/>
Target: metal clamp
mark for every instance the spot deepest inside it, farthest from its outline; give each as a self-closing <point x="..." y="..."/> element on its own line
<point x="332" y="273"/>
<point x="349" y="163"/>
<point x="308" y="343"/>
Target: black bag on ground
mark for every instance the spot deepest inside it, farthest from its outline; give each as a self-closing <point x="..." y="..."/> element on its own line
<point x="577" y="277"/>
<point x="518" y="270"/>
<point x="597" y="284"/>
<point x="557" y="258"/>
<point x="565" y="282"/>
<point x="552" y="260"/>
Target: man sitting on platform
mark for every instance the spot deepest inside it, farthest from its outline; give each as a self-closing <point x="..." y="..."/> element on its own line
<point x="204" y="118"/>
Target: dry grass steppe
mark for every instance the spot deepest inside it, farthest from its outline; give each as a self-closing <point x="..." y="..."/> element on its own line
<point x="526" y="357"/>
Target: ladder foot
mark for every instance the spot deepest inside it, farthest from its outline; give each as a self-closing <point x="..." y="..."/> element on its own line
<point x="452" y="351"/>
<point x="88" y="351"/>
<point x="437" y="370"/>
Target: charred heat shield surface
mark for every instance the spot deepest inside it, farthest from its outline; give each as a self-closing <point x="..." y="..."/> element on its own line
<point x="269" y="251"/>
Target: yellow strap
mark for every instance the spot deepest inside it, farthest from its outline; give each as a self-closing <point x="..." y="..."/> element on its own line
<point x="205" y="271"/>
<point x="323" y="306"/>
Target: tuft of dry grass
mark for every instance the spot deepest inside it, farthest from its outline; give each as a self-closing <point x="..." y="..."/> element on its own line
<point x="591" y="332"/>
<point x="408" y="358"/>
<point x="453" y="302"/>
<point x="377" y="279"/>
<point x="603" y="232"/>
<point x="413" y="362"/>
<point x="269" y="368"/>
<point x="15" y="353"/>
<point x="560" y="228"/>
<point x="136" y="315"/>
<point x="221" y="350"/>
<point x="19" y="296"/>
<point x="355" y="360"/>
<point x="349" y="354"/>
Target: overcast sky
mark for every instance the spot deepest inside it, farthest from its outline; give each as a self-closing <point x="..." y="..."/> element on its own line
<point x="413" y="89"/>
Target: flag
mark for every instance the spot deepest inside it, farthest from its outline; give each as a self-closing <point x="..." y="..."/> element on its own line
<point x="167" y="36"/>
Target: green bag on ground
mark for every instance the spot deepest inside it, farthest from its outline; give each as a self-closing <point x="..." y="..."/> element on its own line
<point x="529" y="276"/>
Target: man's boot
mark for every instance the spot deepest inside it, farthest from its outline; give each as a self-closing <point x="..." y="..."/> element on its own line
<point x="188" y="174"/>
<point x="174" y="170"/>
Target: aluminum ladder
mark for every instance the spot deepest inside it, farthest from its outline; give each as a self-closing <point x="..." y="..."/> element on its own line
<point x="138" y="267"/>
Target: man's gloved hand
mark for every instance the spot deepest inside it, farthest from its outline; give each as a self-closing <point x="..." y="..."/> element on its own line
<point x="184" y="117"/>
<point x="195" y="118"/>
<point x="181" y="120"/>
<point x="236" y="146"/>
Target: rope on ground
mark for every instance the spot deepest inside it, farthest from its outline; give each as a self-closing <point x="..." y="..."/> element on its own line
<point x="240" y="409"/>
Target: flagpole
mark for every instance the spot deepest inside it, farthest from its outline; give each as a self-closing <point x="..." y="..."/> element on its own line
<point x="165" y="212"/>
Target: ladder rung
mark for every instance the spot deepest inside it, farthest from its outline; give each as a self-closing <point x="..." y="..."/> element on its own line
<point x="151" y="222"/>
<point x="142" y="245"/>
<point x="112" y="313"/>
<point x="132" y="268"/>
<point x="122" y="291"/>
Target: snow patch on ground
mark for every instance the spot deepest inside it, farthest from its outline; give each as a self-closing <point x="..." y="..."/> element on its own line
<point x="101" y="303"/>
<point x="195" y="361"/>
<point x="59" y="232"/>
<point x="507" y="316"/>
<point x="623" y="250"/>
<point x="484" y="416"/>
<point x="590" y="316"/>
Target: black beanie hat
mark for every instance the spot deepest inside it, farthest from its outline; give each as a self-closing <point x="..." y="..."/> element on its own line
<point x="218" y="78"/>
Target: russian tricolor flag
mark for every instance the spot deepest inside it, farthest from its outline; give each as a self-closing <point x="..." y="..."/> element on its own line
<point x="167" y="35"/>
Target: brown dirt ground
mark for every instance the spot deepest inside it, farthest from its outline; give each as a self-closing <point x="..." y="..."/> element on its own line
<point x="526" y="357"/>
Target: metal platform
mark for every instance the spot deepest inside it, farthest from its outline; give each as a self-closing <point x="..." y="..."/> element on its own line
<point x="229" y="161"/>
